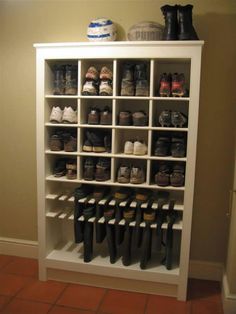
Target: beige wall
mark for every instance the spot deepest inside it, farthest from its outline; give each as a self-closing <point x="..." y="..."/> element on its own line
<point x="23" y="23"/>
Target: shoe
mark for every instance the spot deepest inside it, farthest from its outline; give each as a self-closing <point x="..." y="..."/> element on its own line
<point x="87" y="146"/>
<point x="127" y="88"/>
<point x="123" y="174"/>
<point x="91" y="74"/>
<point x="70" y="142"/>
<point x="97" y="141"/>
<point x="107" y="143"/>
<point x="129" y="147"/>
<point x="125" y="118"/>
<point x="105" y="88"/>
<point x="178" y="88"/>
<point x="165" y="85"/>
<point x="162" y="146"/>
<point x="71" y="169"/>
<point x="186" y="30"/>
<point x="122" y="194"/>
<point x="162" y="177"/>
<point x="103" y="167"/>
<point x="178" y="119"/>
<point x="129" y="214"/>
<point x="56" y="142"/>
<point x="90" y="88"/>
<point x="60" y="168"/>
<point x="71" y="73"/>
<point x="106" y="74"/>
<point x="165" y="118"/>
<point x="142" y="88"/>
<point x="140" y="148"/>
<point x="142" y="195"/>
<point x="94" y="116"/>
<point x="56" y="115"/>
<point x="69" y="115"/>
<point x="89" y="169"/>
<point x="178" y="147"/>
<point x="59" y="80"/>
<point x="140" y="72"/>
<point x="140" y="118"/>
<point x="127" y="83"/>
<point x="89" y="212"/>
<point x="99" y="192"/>
<point x="137" y="175"/>
<point x="171" y="23"/>
<point x="106" y="116"/>
<point x="177" y="176"/>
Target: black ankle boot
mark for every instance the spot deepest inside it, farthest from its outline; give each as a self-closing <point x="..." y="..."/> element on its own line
<point x="171" y="23"/>
<point x="186" y="29"/>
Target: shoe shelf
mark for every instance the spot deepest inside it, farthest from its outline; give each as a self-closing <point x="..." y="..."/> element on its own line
<point x="141" y="126"/>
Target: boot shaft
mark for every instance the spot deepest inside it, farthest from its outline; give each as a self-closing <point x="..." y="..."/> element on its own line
<point x="171" y="22"/>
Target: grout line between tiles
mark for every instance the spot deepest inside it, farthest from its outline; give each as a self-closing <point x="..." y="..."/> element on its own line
<point x="101" y="301"/>
<point x="146" y="303"/>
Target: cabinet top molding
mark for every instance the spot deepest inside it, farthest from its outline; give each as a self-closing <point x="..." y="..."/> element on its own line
<point x="170" y="43"/>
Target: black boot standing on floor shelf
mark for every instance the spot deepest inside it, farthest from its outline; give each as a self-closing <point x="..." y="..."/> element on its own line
<point x="129" y="216"/>
<point x="79" y="194"/>
<point x="178" y="23"/>
<point x="146" y="248"/>
<point x="170" y="218"/>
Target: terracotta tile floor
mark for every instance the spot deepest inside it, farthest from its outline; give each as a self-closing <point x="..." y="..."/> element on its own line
<point x="22" y="293"/>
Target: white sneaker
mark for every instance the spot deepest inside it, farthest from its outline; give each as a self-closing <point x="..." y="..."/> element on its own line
<point x="140" y="148"/>
<point x="69" y="115"/>
<point x="105" y="88"/>
<point x="129" y="147"/>
<point x="56" y="115"/>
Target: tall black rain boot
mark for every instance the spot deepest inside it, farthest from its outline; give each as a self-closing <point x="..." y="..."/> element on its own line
<point x="186" y="30"/>
<point x="171" y="22"/>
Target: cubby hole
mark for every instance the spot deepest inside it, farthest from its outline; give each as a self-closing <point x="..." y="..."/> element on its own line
<point x="121" y="70"/>
<point x="96" y="141"/>
<point x="97" y="169"/>
<point x="141" y="164"/>
<point x="61" y="103"/>
<point x="131" y="135"/>
<point x="171" y="66"/>
<point x="98" y="64"/>
<point x="160" y="106"/>
<point x="100" y="104"/>
<point x="59" y="137"/>
<point x="52" y="86"/>
<point x="169" y="143"/>
<point x="132" y="106"/>
<point x="162" y="173"/>
<point x="61" y="167"/>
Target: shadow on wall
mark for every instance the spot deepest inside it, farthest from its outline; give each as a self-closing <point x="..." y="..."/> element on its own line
<point x="215" y="152"/>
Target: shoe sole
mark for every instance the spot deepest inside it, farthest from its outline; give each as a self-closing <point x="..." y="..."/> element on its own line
<point x="123" y="180"/>
<point x="99" y="149"/>
<point x="87" y="149"/>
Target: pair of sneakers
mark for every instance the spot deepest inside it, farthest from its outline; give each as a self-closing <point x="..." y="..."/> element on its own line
<point x="174" y="176"/>
<point x="97" y="142"/>
<point x="67" y="115"/>
<point x="63" y="140"/>
<point x="169" y="118"/>
<point x="97" y="116"/>
<point x="172" y="85"/>
<point x="97" y="170"/>
<point x="134" y="80"/>
<point x="137" y="147"/>
<point x="65" y="79"/>
<point x="166" y="146"/>
<point x="98" y="83"/>
<point x="131" y="174"/>
<point x="138" y="118"/>
<point x="65" y="167"/>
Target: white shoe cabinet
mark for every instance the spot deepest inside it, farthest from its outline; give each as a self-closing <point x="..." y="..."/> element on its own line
<point x="59" y="257"/>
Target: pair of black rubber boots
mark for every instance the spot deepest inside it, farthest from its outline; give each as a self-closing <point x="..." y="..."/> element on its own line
<point x="178" y="23"/>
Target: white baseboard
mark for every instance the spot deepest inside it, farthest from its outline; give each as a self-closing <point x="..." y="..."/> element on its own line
<point x="25" y="248"/>
<point x="228" y="299"/>
<point x="18" y="247"/>
<point x="205" y="270"/>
